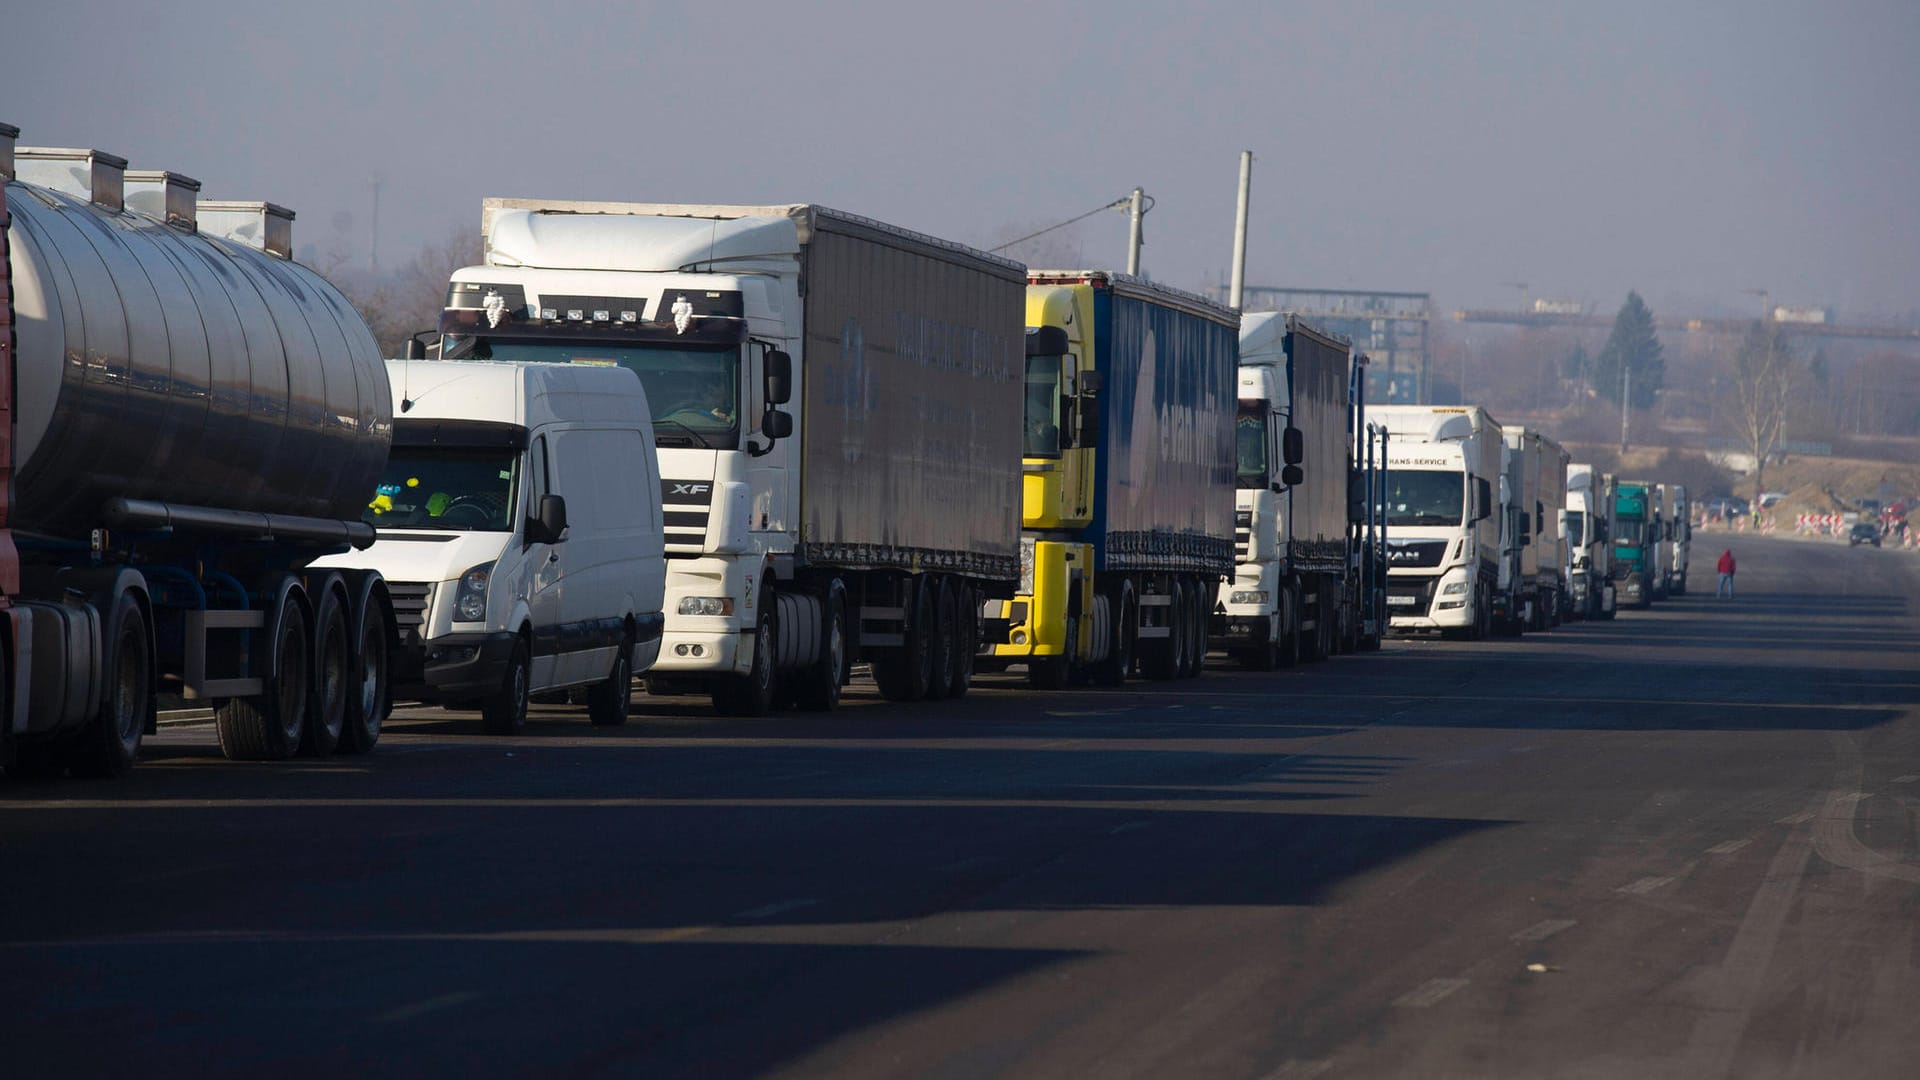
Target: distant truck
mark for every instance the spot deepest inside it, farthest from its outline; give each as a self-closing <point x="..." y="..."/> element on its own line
<point x="1534" y="494"/>
<point x="1128" y="508"/>
<point x="1679" y="538"/>
<point x="1635" y="542"/>
<point x="191" y="420"/>
<point x="519" y="530"/>
<point x="866" y="517"/>
<point x="1301" y="586"/>
<point x="1660" y="540"/>
<point x="1589" y="532"/>
<point x="1442" y="517"/>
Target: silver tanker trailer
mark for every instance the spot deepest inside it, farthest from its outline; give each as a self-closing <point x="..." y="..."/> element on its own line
<point x="192" y="418"/>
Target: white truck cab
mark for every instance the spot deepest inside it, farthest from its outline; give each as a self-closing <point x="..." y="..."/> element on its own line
<point x="519" y="523"/>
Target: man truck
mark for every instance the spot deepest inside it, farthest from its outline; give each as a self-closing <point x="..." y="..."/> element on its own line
<point x="1440" y="507"/>
<point x="1128" y="473"/>
<point x="1300" y="586"/>
<point x="190" y="420"/>
<point x="1589" y="546"/>
<point x="837" y="406"/>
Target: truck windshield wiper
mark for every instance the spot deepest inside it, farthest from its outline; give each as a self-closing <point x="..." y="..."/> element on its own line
<point x="687" y="436"/>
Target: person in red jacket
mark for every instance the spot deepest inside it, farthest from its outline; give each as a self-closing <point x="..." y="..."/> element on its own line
<point x="1726" y="575"/>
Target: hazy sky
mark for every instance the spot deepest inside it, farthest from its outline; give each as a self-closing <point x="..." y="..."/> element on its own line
<point x="1689" y="150"/>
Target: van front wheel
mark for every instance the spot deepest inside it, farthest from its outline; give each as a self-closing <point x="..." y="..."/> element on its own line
<point x="610" y="702"/>
<point x="505" y="713"/>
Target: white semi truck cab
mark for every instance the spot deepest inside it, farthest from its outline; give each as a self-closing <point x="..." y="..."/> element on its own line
<point x="1440" y="507"/>
<point x="1589" y="542"/>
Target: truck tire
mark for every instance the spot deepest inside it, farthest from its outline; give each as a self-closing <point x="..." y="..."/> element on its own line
<point x="505" y="713"/>
<point x="610" y="701"/>
<point x="111" y="741"/>
<point x="752" y="694"/>
<point x="1113" y="671"/>
<point x="966" y="616"/>
<point x="1056" y="672"/>
<point x="1197" y="627"/>
<point x="902" y="673"/>
<point x="270" y="727"/>
<point x="372" y="699"/>
<point x="941" y="644"/>
<point x="818" y="687"/>
<point x="332" y="674"/>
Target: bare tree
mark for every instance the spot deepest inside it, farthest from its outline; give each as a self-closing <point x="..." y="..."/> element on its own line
<point x="401" y="302"/>
<point x="1764" y="371"/>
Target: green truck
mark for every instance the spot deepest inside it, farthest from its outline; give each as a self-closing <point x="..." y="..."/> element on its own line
<point x="1636" y="534"/>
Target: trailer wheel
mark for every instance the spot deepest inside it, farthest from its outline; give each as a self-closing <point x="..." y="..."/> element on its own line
<point x="1196" y="627"/>
<point x="332" y="672"/>
<point x="752" y="694"/>
<point x="269" y="727"/>
<point x="818" y="687"/>
<point x="941" y="642"/>
<point x="367" y="708"/>
<point x="111" y="741"/>
<point x="1114" y="670"/>
<point x="902" y="673"/>
<point x="505" y="713"/>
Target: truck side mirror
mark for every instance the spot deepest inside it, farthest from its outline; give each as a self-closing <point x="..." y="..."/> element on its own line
<point x="1482" y="499"/>
<point x="1293" y="446"/>
<point x="550" y="522"/>
<point x="1046" y="341"/>
<point x="776" y="424"/>
<point x="1356" y="498"/>
<point x="1291" y="475"/>
<point x="779" y="377"/>
<point x="1086" y="431"/>
<point x="1091" y="382"/>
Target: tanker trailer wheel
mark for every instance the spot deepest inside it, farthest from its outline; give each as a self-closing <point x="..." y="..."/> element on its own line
<point x="505" y="713"/>
<point x="818" y="687"/>
<point x="111" y="741"/>
<point x="903" y="673"/>
<point x="752" y="694"/>
<point x="332" y="673"/>
<point x="368" y="705"/>
<point x="269" y="727"/>
<point x="941" y="644"/>
<point x="1114" y="670"/>
<point x="609" y="703"/>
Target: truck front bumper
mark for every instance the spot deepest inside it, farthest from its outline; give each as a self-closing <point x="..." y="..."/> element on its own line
<point x="1232" y="631"/>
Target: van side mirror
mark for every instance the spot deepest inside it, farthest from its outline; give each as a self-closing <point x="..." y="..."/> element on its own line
<point x="549" y="525"/>
<point x="779" y="377"/>
<point x="1291" y="475"/>
<point x="1293" y="446"/>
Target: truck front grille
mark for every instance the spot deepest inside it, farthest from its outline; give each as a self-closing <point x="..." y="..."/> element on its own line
<point x="1242" y="534"/>
<point x="685" y="507"/>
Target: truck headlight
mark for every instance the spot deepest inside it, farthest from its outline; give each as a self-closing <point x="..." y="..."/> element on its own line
<point x="706" y="605"/>
<point x="1247" y="596"/>
<point x="1026" y="566"/>
<point x="1454" y="588"/>
<point x="470" y="600"/>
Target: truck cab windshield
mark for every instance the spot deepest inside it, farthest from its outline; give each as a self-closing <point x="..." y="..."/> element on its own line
<point x="694" y="394"/>
<point x="1250" y="435"/>
<point x="1629" y="532"/>
<point x="1424" y="498"/>
<point x="440" y="487"/>
<point x="1576" y="528"/>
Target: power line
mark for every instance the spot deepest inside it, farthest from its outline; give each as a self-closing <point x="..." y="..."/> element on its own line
<point x="1120" y="203"/>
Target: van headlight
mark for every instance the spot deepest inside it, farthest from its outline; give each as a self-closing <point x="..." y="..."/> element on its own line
<point x="706" y="605"/>
<point x="1247" y="596"/>
<point x="470" y="601"/>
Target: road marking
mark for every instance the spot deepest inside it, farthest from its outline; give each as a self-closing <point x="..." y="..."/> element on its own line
<point x="1728" y="848"/>
<point x="1299" y="1070"/>
<point x="1541" y="931"/>
<point x="777" y="908"/>
<point x="1908" y="779"/>
<point x="1428" y="993"/>
<point x="421" y="1008"/>
<point x="1645" y="885"/>
<point x="1126" y="827"/>
<point x="1796" y="819"/>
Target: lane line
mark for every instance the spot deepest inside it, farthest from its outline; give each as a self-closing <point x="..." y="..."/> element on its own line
<point x="1541" y="931"/>
<point x="1428" y="993"/>
<point x="1644" y="886"/>
<point x="430" y="1005"/>
<point x="1729" y="847"/>
<point x="1796" y="819"/>
<point x="1908" y="779"/>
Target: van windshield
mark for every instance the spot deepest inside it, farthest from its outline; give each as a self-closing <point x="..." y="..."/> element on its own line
<point x="694" y="393"/>
<point x="443" y="487"/>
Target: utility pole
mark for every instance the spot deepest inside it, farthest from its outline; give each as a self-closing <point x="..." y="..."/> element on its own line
<point x="1765" y="312"/>
<point x="1522" y="286"/>
<point x="1235" y="290"/>
<point x="1626" y="403"/>
<point x="1136" y="210"/>
<point x="373" y="243"/>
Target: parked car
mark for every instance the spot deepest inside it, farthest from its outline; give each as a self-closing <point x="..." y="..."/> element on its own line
<point x="1864" y="532"/>
<point x="1726" y="506"/>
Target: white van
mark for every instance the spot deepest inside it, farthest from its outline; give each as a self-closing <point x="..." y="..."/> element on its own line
<point x="520" y="535"/>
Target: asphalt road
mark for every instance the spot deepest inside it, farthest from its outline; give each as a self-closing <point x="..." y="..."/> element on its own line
<point x="1685" y="843"/>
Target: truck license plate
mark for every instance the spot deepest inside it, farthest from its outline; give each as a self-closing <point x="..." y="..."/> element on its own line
<point x="1400" y="601"/>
